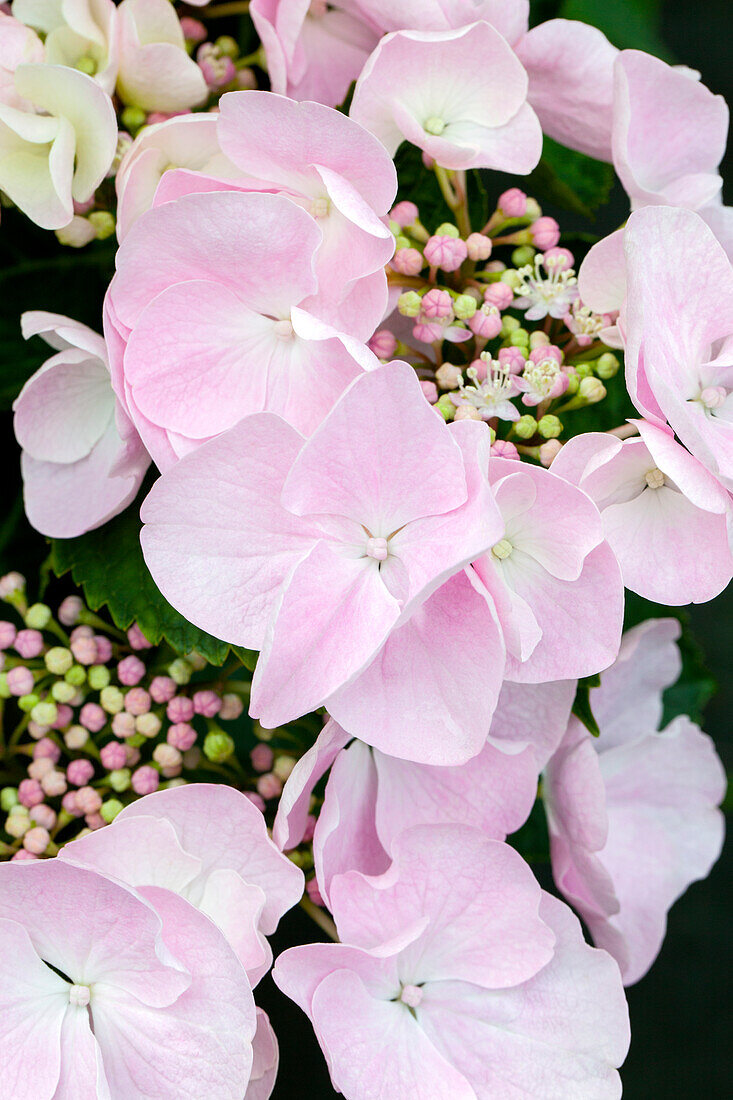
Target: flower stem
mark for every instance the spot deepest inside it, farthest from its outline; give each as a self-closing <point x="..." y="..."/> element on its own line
<point x="322" y="919"/>
<point x="217" y="11"/>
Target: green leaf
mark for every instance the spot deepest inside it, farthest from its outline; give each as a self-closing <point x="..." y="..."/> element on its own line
<point x="108" y="565"/>
<point x="581" y="706"/>
<point x="570" y="180"/>
<point x="629" y="24"/>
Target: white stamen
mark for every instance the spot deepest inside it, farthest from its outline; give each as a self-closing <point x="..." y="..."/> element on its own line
<point x="79" y="995"/>
<point x="654" y="478"/>
<point x="411" y="995"/>
<point x="377" y="549"/>
<point x="712" y="397"/>
<point x="434" y="125"/>
<point x="502" y="550"/>
<point x="320" y="207"/>
<point x="541" y="291"/>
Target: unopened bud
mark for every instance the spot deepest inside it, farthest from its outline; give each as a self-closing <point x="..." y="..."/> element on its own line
<point x="119" y="780"/>
<point x="592" y="389"/>
<point x="523" y="255"/>
<point x="133" y="118"/>
<point x="180" y="671"/>
<point x="38" y="616"/>
<point x="448" y="376"/>
<point x="525" y="427"/>
<point x="218" y="746"/>
<point x="409" y="304"/>
<point x="464" y="306"/>
<point x="445" y="407"/>
<point x="607" y="366"/>
<point x="76" y="675"/>
<point x="549" y="426"/>
<point x="110" y="809"/>
<point x="58" y="660"/>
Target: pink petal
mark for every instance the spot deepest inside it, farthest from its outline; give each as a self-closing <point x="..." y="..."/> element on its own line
<point x="266" y="1060"/>
<point x="291" y="819"/>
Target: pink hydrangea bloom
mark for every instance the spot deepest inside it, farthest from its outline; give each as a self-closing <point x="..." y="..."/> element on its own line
<point x="329" y="556"/>
<point x="664" y="516"/>
<point x="213" y="314"/>
<point x="459" y="95"/>
<point x="82" y="460"/>
<point x="632" y="813"/>
<point x="437" y="954"/>
<point x="555" y="581"/>
<point x="155" y="71"/>
<point x="265" y="1061"/>
<point x="171" y="1005"/>
<point x="208" y="843"/>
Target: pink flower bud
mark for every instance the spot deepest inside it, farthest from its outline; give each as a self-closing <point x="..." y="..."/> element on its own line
<point x="513" y="203"/>
<point x="408" y="261"/>
<point x="269" y="786"/>
<point x="64" y="714"/>
<point x="7" y="634"/>
<point x="69" y="804"/>
<point x="30" y="792"/>
<point x="104" y="649"/>
<point x="404" y="213"/>
<point x="545" y="233"/>
<point x="447" y="253"/>
<point x="22" y="856"/>
<point x="123" y="724"/>
<point x="11" y="584"/>
<point x="437" y="305"/>
<point x="478" y="246"/>
<point x="430" y="390"/>
<point x="428" y="334"/>
<point x="29" y="643"/>
<point x="76" y="738"/>
<point x="168" y="756"/>
<point x="137" y="701"/>
<point x="43" y="815"/>
<point x="46" y="748"/>
<point x="94" y="821"/>
<point x="20" y="680"/>
<point x="36" y="840"/>
<point x="87" y="799"/>
<point x="113" y="756"/>
<point x="54" y="784"/>
<point x="261" y="757"/>
<point x="502" y="448"/>
<point x="69" y="610"/>
<point x="256" y="800"/>
<point x="549" y="451"/>
<point x="38" y="768"/>
<point x="546" y="351"/>
<point x="93" y="717"/>
<point x="193" y="29"/>
<point x="133" y="756"/>
<point x="449" y="376"/>
<point x="130" y="671"/>
<point x="512" y="359"/>
<point x="79" y="772"/>
<point x="558" y="259"/>
<point x="181" y="736"/>
<point x="486" y="322"/>
<point x="162" y="689"/>
<point x="314" y="893"/>
<point x="84" y="649"/>
<point x="231" y="707"/>
<point x="218" y="69"/>
<point x="180" y="709"/>
<point x="383" y="344"/>
<point x="466" y="412"/>
<point x="500" y="295"/>
<point x="145" y="780"/>
<point x="206" y="703"/>
<point x="137" y="639"/>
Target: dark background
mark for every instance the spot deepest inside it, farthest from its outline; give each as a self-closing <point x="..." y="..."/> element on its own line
<point x="681" y="1017"/>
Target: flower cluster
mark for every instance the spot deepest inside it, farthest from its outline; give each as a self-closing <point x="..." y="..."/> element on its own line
<point x="369" y="428"/>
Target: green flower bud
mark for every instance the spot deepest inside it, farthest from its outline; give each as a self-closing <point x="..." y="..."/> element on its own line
<point x="445" y="407"/>
<point x="133" y="118"/>
<point x="218" y="746"/>
<point x="179" y="671"/>
<point x="607" y="366"/>
<point x="103" y="222"/>
<point x="525" y="427"/>
<point x="45" y="713"/>
<point x="119" y="780"/>
<point x="465" y="306"/>
<point x="195" y="660"/>
<point x="28" y="702"/>
<point x="519" y="338"/>
<point x="18" y="822"/>
<point x="534" y="210"/>
<point x="148" y="724"/>
<point x="523" y="255"/>
<point x="409" y="304"/>
<point x="511" y="278"/>
<point x="402" y="242"/>
<point x="99" y="677"/>
<point x="300" y="859"/>
<point x="447" y="229"/>
<point x="112" y="699"/>
<point x="59" y="660"/>
<point x="573" y="383"/>
<point x="38" y="616"/>
<point x="549" y="426"/>
<point x="86" y="65"/>
<point x="592" y="389"/>
<point x="61" y="692"/>
<point x="8" y="798"/>
<point x="110" y="808"/>
<point x="492" y="435"/>
<point x="76" y="675"/>
<point x="227" y="45"/>
<point x="509" y="325"/>
<point x="583" y="370"/>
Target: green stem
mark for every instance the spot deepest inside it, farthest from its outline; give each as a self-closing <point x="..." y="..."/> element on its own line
<point x="322" y="919"/>
<point x="218" y="11"/>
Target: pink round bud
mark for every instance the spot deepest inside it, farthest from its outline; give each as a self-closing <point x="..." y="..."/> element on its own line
<point x="76" y="738"/>
<point x="64" y="715"/>
<point x="383" y="343"/>
<point x="261" y="757"/>
<point x="145" y="780"/>
<point x="88" y="800"/>
<point x="137" y="639"/>
<point x="503" y="448"/>
<point x="430" y="390"/>
<point x="104" y="649"/>
<point x="137" y="701"/>
<point x="30" y="792"/>
<point x="206" y="703"/>
<point x="84" y="650"/>
<point x="558" y="259"/>
<point x="428" y="333"/>
<point x="11" y="584"/>
<point x="113" y="756"/>
<point x="54" y="784"/>
<point x="256" y="800"/>
<point x="29" y="643"/>
<point x="133" y="756"/>
<point x="180" y="709"/>
<point x="437" y="305"/>
<point x="22" y="856"/>
<point x="46" y="748"/>
<point x="93" y="717"/>
<point x="486" y="322"/>
<point x="168" y="756"/>
<point x="193" y="30"/>
<point x="123" y="724"/>
<point x="546" y="351"/>
<point x="512" y="359"/>
<point x="466" y="412"/>
<point x="404" y="213"/>
<point x="478" y="246"/>
<point x="513" y="203"/>
<point x="38" y="768"/>
<point x="36" y="730"/>
<point x="69" y="610"/>
<point x="162" y="689"/>
<point x="447" y="253"/>
<point x="36" y="840"/>
<point x="500" y="295"/>
<point x="94" y="821"/>
<point x="20" y="680"/>
<point x="69" y="804"/>
<point x="549" y="451"/>
<point x="7" y="634"/>
<point x="130" y="671"/>
<point x="79" y="772"/>
<point x="269" y="786"/>
<point x="43" y="815"/>
<point x="545" y="233"/>
<point x="82" y="631"/>
<point x="408" y="261"/>
<point x="181" y="736"/>
<point x="314" y="893"/>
